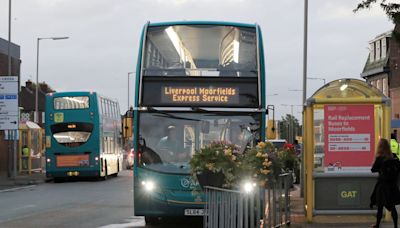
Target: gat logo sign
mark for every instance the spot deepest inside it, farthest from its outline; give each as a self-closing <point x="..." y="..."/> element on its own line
<point x="348" y="194"/>
<point x="188" y="182"/>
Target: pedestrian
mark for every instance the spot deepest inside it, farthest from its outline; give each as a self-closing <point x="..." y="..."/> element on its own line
<point x="386" y="191"/>
<point x="25" y="157"/>
<point x="394" y="145"/>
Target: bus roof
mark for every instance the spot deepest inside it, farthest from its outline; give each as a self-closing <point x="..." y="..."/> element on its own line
<point x="201" y="23"/>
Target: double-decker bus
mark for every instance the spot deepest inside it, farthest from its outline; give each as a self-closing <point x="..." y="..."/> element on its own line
<point x="83" y="135"/>
<point x="196" y="82"/>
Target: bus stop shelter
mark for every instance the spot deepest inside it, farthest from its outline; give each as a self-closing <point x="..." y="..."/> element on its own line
<point x="31" y="136"/>
<point x="344" y="120"/>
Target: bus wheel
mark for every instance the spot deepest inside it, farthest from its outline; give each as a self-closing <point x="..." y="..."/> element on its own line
<point x="106" y="171"/>
<point x="58" y="180"/>
<point x="152" y="220"/>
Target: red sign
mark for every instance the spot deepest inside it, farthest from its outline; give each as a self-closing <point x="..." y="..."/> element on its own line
<point x="349" y="135"/>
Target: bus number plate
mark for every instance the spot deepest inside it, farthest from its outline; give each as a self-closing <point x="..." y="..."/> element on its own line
<point x="194" y="212"/>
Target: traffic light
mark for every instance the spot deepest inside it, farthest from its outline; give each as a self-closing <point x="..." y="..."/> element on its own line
<point x="271" y="130"/>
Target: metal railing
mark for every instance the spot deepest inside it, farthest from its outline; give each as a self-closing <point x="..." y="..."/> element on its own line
<point x="263" y="207"/>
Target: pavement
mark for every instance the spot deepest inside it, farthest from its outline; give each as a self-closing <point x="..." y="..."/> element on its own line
<point x="30" y="201"/>
<point x="21" y="181"/>
<point x="298" y="218"/>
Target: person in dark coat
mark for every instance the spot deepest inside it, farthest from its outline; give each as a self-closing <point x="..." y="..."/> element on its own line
<point x="386" y="192"/>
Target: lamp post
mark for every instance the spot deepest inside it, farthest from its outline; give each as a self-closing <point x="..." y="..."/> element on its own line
<point x="315" y="78"/>
<point x="129" y="73"/>
<point x="36" y="119"/>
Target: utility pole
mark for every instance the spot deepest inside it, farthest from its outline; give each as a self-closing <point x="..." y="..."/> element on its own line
<point x="304" y="92"/>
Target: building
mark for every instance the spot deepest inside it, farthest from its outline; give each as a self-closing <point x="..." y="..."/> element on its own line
<point x="27" y="98"/>
<point x="5" y="154"/>
<point x="382" y="67"/>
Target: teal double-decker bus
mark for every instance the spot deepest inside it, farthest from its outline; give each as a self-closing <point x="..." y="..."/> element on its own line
<point x="83" y="135"/>
<point x="196" y="83"/>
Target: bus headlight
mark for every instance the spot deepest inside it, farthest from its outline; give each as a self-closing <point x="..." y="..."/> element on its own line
<point x="148" y="185"/>
<point x="248" y="187"/>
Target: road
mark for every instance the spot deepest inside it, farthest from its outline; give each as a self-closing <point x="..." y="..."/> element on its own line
<point x="105" y="204"/>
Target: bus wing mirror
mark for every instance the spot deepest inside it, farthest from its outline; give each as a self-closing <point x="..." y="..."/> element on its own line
<point x="271" y="131"/>
<point x="205" y="127"/>
<point x="127" y="127"/>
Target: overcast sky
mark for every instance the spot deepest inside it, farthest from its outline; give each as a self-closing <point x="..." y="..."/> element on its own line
<point x="104" y="34"/>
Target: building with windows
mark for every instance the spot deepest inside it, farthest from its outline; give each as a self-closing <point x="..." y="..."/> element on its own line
<point x="382" y="67"/>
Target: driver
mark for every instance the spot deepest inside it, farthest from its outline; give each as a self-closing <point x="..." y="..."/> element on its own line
<point x="168" y="142"/>
<point x="170" y="147"/>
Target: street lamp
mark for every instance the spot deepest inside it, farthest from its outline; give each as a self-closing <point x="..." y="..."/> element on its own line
<point x="129" y="73"/>
<point x="314" y="78"/>
<point x="37" y="73"/>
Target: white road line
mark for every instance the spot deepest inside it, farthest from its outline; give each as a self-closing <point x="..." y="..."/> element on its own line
<point x="24" y="207"/>
<point x="135" y="222"/>
<point x="17" y="188"/>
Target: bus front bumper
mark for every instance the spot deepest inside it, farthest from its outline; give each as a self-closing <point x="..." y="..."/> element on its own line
<point x="158" y="204"/>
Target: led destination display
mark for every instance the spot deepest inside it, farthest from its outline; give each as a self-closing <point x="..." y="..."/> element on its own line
<point x="200" y="92"/>
<point x="223" y="95"/>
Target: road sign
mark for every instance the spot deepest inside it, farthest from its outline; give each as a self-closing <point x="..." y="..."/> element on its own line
<point x="9" y="103"/>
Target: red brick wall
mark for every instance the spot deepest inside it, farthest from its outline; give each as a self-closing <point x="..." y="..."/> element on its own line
<point x="394" y="58"/>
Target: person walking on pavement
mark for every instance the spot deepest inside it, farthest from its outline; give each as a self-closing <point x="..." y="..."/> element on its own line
<point x="394" y="146"/>
<point x="386" y="191"/>
<point x="25" y="157"/>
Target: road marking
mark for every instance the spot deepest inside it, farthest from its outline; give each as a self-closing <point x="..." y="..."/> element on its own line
<point x="24" y="207"/>
<point x="134" y="222"/>
<point x="16" y="189"/>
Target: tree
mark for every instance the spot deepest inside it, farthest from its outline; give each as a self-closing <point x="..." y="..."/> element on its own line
<point x="289" y="128"/>
<point x="391" y="9"/>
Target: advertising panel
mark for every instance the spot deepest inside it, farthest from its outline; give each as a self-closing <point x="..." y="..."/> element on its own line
<point x="349" y="137"/>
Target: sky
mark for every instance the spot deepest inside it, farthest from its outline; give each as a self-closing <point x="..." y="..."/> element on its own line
<point x="104" y="39"/>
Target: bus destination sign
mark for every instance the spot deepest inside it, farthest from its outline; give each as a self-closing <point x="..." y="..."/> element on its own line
<point x="200" y="95"/>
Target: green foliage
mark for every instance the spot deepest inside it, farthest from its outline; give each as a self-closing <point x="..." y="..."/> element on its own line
<point x="391" y="9"/>
<point x="217" y="157"/>
<point x="261" y="164"/>
<point x="257" y="163"/>
<point x="289" y="124"/>
<point x="288" y="158"/>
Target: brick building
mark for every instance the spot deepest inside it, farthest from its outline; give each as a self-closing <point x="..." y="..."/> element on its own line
<point x="27" y="101"/>
<point x="5" y="156"/>
<point x="382" y="67"/>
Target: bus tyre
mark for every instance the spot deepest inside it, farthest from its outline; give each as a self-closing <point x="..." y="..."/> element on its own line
<point x="105" y="171"/>
<point x="152" y="220"/>
<point x="58" y="179"/>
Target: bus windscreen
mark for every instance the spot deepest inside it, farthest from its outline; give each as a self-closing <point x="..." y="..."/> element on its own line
<point x="79" y="102"/>
<point x="201" y="50"/>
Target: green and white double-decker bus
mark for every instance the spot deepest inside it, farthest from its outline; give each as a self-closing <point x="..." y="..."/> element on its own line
<point x="83" y="135"/>
<point x="196" y="83"/>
